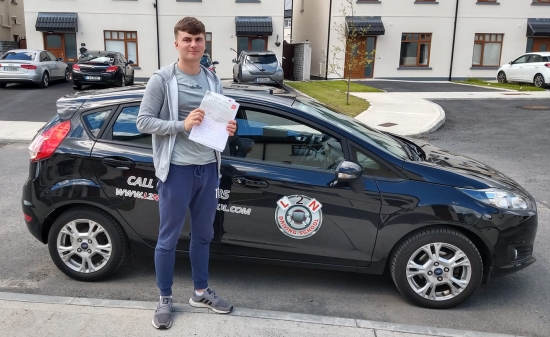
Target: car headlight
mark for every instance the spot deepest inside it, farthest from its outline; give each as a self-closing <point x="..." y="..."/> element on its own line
<point x="501" y="199"/>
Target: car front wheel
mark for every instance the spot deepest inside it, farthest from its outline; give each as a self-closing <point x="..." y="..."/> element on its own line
<point x="501" y="77"/>
<point x="87" y="244"/>
<point x="538" y="81"/>
<point x="437" y="268"/>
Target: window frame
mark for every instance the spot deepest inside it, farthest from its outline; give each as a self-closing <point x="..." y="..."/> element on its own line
<point x="541" y="2"/>
<point x="483" y="42"/>
<point x="399" y="176"/>
<point x="125" y="40"/>
<point x="293" y="117"/>
<point x="112" y="111"/>
<point x="419" y="42"/>
<point x="493" y="1"/>
<point x="106" y="134"/>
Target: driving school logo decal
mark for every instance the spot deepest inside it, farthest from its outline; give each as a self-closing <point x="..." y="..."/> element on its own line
<point x="298" y="216"/>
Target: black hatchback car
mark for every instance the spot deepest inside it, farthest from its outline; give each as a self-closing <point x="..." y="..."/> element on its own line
<point x="102" y="68"/>
<point x="301" y="185"/>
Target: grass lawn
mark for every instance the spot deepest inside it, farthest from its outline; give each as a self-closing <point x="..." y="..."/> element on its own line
<point x="333" y="94"/>
<point x="513" y="86"/>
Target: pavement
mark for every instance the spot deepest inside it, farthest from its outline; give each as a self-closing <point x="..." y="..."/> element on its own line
<point x="400" y="112"/>
<point x="25" y="315"/>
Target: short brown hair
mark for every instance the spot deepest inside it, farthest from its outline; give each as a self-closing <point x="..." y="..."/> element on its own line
<point x="189" y="25"/>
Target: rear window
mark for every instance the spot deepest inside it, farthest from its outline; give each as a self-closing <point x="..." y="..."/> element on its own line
<point x="262" y="59"/>
<point x="96" y="59"/>
<point x="22" y="56"/>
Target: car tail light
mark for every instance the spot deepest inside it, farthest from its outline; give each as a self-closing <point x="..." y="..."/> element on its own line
<point x="76" y="67"/>
<point x="28" y="66"/>
<point x="27" y="218"/>
<point x="547" y="65"/>
<point x="45" y="143"/>
<point x="112" y="69"/>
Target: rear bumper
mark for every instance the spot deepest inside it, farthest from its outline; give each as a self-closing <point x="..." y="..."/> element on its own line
<point x="105" y="78"/>
<point x="29" y="77"/>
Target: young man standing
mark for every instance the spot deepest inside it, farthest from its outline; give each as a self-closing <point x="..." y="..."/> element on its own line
<point x="188" y="173"/>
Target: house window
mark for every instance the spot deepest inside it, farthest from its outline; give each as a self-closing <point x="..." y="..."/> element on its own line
<point x="209" y="44"/>
<point x="487" y="49"/>
<point x="123" y="42"/>
<point x="542" y="1"/>
<point x="288" y="23"/>
<point x="251" y="43"/>
<point x="415" y="49"/>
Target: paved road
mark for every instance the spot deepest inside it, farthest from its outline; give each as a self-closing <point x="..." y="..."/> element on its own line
<point x="494" y="132"/>
<point x="413" y="86"/>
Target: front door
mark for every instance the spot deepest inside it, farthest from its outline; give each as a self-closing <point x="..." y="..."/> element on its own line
<point x="541" y="44"/>
<point x="365" y="47"/>
<point x="275" y="198"/>
<point x="55" y="44"/>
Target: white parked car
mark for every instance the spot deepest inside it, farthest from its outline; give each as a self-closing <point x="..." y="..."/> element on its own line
<point x="528" y="68"/>
<point x="32" y="66"/>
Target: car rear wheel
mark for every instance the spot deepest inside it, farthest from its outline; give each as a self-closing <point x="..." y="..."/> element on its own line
<point x="538" y="81"/>
<point x="121" y="81"/>
<point x="132" y="80"/>
<point x="45" y="81"/>
<point x="87" y="244"/>
<point x="67" y="75"/>
<point x="437" y="268"/>
<point x="501" y="77"/>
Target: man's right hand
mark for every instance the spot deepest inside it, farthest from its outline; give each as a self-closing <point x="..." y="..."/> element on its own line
<point x="194" y="118"/>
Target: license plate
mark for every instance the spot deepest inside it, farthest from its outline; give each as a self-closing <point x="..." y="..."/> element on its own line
<point x="11" y="69"/>
<point x="262" y="79"/>
<point x="92" y="78"/>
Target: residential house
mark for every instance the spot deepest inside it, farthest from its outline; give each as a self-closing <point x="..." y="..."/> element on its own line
<point x="424" y="39"/>
<point x="132" y="26"/>
<point x="12" y="24"/>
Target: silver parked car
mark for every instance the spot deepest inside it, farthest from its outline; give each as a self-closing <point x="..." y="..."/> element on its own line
<point x="32" y="66"/>
<point x="257" y="67"/>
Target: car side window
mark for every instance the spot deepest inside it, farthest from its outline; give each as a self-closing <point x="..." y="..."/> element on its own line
<point x="535" y="58"/>
<point x="122" y="59"/>
<point x="51" y="56"/>
<point x="44" y="57"/>
<point x="125" y="128"/>
<point x="371" y="166"/>
<point x="95" y="121"/>
<point x="544" y="59"/>
<point x="267" y="137"/>
<point x="521" y="59"/>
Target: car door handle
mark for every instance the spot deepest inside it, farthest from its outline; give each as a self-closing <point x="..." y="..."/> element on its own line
<point x="118" y="163"/>
<point x="244" y="181"/>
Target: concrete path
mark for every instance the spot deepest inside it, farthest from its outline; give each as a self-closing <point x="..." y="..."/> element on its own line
<point x="27" y="315"/>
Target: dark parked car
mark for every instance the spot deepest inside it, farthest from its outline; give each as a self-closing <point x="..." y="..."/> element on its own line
<point x="301" y="185"/>
<point x="207" y="62"/>
<point x="103" y="68"/>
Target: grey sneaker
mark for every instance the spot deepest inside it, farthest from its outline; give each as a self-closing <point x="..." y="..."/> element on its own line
<point x="209" y="299"/>
<point x="163" y="315"/>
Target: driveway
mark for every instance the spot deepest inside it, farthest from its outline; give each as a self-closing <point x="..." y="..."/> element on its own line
<point x="412" y="86"/>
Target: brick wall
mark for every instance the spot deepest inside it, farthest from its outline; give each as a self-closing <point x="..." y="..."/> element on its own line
<point x="8" y="45"/>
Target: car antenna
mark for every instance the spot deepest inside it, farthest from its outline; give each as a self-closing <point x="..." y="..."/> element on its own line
<point x="271" y="78"/>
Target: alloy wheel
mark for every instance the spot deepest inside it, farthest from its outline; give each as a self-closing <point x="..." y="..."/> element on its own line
<point x="84" y="246"/>
<point x="438" y="271"/>
<point x="539" y="81"/>
<point x="501" y="77"/>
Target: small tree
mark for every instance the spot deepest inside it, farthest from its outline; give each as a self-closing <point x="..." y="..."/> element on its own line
<point x="344" y="60"/>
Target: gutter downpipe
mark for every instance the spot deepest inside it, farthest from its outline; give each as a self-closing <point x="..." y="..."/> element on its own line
<point x="158" y="39"/>
<point x="328" y="39"/>
<point x="454" y="37"/>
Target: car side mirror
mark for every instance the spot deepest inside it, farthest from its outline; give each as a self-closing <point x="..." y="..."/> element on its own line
<point x="215" y="62"/>
<point x="130" y="62"/>
<point x="234" y="61"/>
<point x="348" y="171"/>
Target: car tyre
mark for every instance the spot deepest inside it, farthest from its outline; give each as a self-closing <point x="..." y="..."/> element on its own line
<point x="439" y="285"/>
<point x="240" y="76"/>
<point x="121" y="82"/>
<point x="538" y="81"/>
<point x="132" y="80"/>
<point x="501" y="77"/>
<point x="77" y="86"/>
<point x="67" y="75"/>
<point x="45" y="81"/>
<point x="103" y="244"/>
<point x="3" y="85"/>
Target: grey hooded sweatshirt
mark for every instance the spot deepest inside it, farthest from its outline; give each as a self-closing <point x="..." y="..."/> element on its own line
<point x="158" y="115"/>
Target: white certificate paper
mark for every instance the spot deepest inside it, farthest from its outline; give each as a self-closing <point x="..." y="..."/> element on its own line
<point x="218" y="111"/>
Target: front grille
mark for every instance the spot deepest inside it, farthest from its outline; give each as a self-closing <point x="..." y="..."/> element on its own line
<point x="522" y="253"/>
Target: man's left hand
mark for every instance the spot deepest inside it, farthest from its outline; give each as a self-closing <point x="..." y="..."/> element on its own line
<point x="231" y="127"/>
